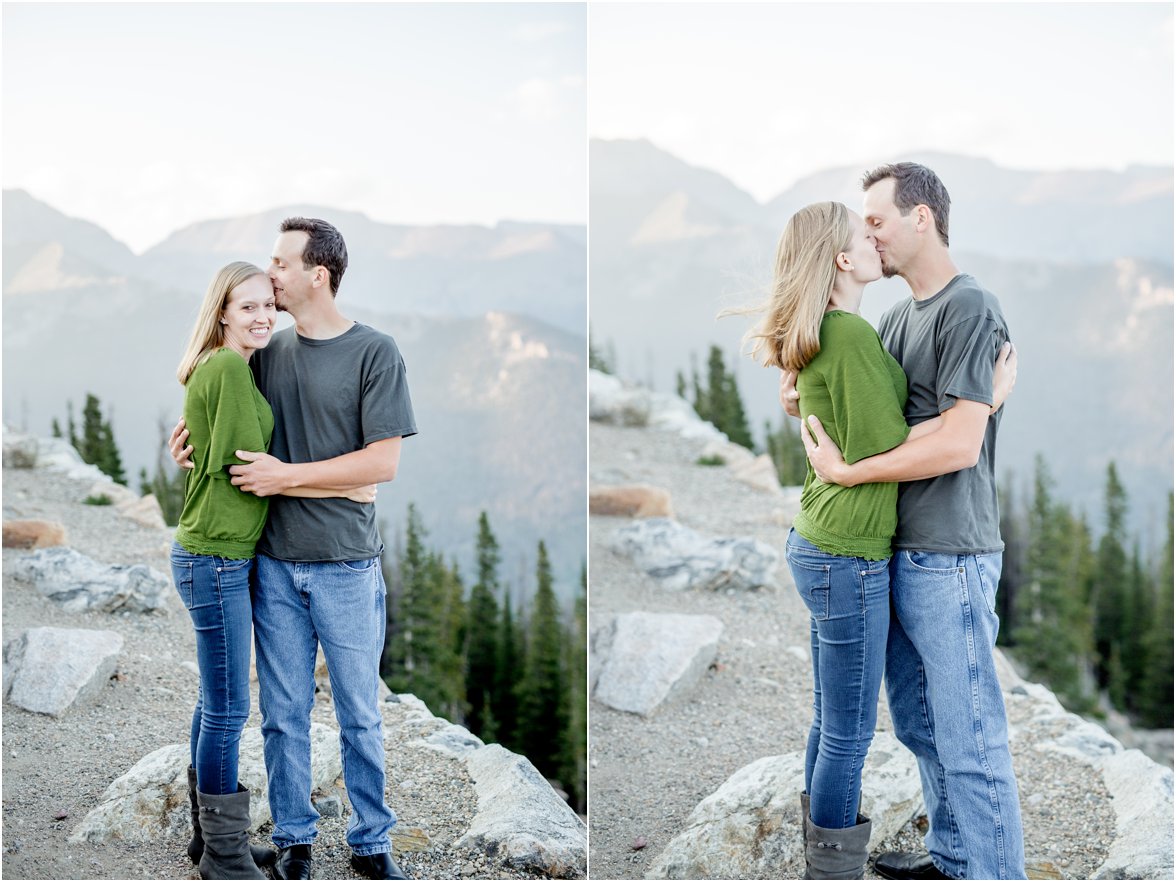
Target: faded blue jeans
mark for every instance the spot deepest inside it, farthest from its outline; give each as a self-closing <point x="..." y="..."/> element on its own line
<point x="215" y="591"/>
<point x="849" y="614"/>
<point x="297" y="606"/>
<point x="947" y="707"/>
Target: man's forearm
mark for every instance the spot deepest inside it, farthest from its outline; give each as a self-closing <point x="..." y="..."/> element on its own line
<point x="375" y="464"/>
<point x="953" y="446"/>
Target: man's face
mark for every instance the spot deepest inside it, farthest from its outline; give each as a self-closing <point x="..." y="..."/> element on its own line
<point x="290" y="281"/>
<point x="895" y="234"/>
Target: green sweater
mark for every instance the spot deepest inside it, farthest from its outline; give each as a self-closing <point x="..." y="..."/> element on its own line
<point x="858" y="392"/>
<point x="224" y="413"/>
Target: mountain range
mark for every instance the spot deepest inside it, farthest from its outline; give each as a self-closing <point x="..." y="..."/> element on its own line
<point x="489" y="320"/>
<point x="1080" y="260"/>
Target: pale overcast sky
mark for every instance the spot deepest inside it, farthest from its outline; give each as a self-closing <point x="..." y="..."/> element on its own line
<point x="765" y="94"/>
<point x="147" y="117"/>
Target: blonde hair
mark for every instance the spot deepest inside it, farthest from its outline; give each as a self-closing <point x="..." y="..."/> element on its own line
<point x="208" y="335"/>
<point x="789" y="335"/>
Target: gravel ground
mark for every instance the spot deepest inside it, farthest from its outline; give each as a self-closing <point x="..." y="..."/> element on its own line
<point x="647" y="775"/>
<point x="52" y="766"/>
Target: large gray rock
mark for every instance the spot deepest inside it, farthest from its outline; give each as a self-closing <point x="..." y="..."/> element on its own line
<point x="20" y="450"/>
<point x="521" y="818"/>
<point x="49" y="670"/>
<point x="612" y="401"/>
<point x="61" y="456"/>
<point x="750" y="828"/>
<point x="644" y="659"/>
<point x="679" y="558"/>
<point x="79" y="583"/>
<point x="151" y="799"/>
<point x="1142" y="798"/>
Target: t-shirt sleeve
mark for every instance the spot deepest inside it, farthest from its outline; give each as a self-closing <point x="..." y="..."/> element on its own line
<point x="387" y="405"/>
<point x="967" y="359"/>
<point x="867" y="408"/>
<point x="232" y="413"/>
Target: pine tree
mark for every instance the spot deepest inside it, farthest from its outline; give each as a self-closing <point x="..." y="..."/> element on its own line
<point x="680" y="385"/>
<point x="1138" y="616"/>
<point x="574" y="771"/>
<point x="482" y="634"/>
<point x="1052" y="631"/>
<point x="543" y="715"/>
<point x="96" y="444"/>
<point x="56" y="428"/>
<point x="1155" y="690"/>
<point x="1110" y="586"/>
<point x="409" y="630"/>
<point x="597" y="360"/>
<point x="505" y="698"/>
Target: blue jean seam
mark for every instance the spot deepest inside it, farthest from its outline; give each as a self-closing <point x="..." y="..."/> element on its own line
<point x="978" y="717"/>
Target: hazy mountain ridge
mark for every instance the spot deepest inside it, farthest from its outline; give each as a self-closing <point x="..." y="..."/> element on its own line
<point x="1088" y="296"/>
<point x="499" y="397"/>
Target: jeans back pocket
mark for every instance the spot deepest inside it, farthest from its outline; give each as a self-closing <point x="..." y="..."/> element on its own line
<point x="812" y="580"/>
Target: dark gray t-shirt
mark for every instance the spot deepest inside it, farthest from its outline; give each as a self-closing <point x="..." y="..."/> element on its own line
<point x="329" y="397"/>
<point x="948" y="344"/>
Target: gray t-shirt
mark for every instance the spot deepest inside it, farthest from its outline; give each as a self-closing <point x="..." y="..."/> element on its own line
<point x="329" y="397"/>
<point x="948" y="344"/>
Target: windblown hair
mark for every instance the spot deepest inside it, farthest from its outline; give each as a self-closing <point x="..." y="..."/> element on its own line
<point x="915" y="184"/>
<point x="209" y="334"/>
<point x="324" y="247"/>
<point x="789" y="335"/>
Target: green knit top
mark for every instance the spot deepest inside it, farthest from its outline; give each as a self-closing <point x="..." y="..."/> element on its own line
<point x="224" y="413"/>
<point x="858" y="392"/>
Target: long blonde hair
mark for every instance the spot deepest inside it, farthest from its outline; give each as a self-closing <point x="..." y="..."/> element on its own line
<point x="789" y="335"/>
<point x="209" y="335"/>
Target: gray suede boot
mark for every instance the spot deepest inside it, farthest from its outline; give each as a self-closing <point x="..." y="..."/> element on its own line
<point x="262" y="856"/>
<point x="224" y="824"/>
<point x="837" y="854"/>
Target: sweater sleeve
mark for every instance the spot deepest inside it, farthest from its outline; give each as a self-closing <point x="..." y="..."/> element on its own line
<point x="233" y="419"/>
<point x="863" y="388"/>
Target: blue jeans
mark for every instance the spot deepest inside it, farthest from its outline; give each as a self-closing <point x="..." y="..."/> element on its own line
<point x="848" y="601"/>
<point x="295" y="607"/>
<point x="948" y="709"/>
<point x="215" y="591"/>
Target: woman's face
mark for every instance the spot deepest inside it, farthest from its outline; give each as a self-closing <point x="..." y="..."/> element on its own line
<point x="863" y="251"/>
<point x="249" y="315"/>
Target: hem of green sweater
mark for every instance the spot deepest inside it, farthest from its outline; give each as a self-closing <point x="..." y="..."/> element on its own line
<point x="867" y="547"/>
<point x="231" y="550"/>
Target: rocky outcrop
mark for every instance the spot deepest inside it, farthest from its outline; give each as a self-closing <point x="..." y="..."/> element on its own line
<point x="151" y="798"/>
<point x="680" y="559"/>
<point x="78" y="582"/>
<point x="28" y="451"/>
<point x="612" y="401"/>
<point x="520" y="817"/>
<point x="642" y="659"/>
<point x="49" y="670"/>
<point x="1141" y="789"/>
<point x="630" y="501"/>
<point x="33" y="534"/>
<point x="750" y="828"/>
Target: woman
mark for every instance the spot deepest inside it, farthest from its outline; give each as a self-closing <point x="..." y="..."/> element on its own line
<point x="212" y="556"/>
<point x="839" y="546"/>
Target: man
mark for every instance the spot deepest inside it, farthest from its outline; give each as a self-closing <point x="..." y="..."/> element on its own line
<point x="941" y="681"/>
<point x="341" y="408"/>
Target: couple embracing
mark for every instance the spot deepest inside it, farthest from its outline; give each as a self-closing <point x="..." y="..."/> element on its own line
<point x="896" y="550"/>
<point x="288" y="439"/>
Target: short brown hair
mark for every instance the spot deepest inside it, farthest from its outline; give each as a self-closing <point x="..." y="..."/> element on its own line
<point x="915" y="184"/>
<point x="324" y="247"/>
